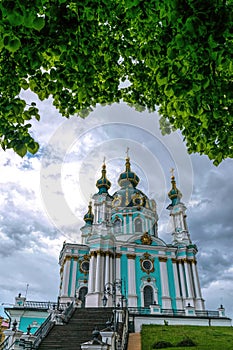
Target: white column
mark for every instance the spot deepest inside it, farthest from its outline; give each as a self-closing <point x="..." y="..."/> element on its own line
<point x="111" y="262"/>
<point x="187" y="275"/>
<point x="91" y="274"/>
<point x="107" y="268"/>
<point x="132" y="296"/>
<point x="98" y="272"/>
<point x="164" y="281"/>
<point x="124" y="224"/>
<point x="118" y="265"/>
<point x="66" y="276"/>
<point x="182" y="282"/>
<point x="74" y="273"/>
<point x="199" y="304"/>
<point x="130" y="223"/>
<point x="179" y="303"/>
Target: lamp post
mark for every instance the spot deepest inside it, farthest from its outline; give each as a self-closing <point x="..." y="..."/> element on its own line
<point x="111" y="289"/>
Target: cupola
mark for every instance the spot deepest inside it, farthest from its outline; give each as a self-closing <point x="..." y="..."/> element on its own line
<point x="174" y="194"/>
<point x="103" y="184"/>
<point x="89" y="216"/>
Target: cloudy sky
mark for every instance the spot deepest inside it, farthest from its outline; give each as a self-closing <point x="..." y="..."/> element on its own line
<point x="44" y="197"/>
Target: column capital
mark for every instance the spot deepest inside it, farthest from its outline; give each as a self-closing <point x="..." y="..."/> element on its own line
<point x="174" y="260"/>
<point x="131" y="256"/>
<point x="162" y="258"/>
<point x="118" y="255"/>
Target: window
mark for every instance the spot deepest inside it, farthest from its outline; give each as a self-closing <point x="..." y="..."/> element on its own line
<point x="138" y="225"/>
<point x="148" y="296"/>
<point x="117" y="226"/>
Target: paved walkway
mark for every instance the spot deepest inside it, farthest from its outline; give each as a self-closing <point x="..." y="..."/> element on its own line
<point x="134" y="342"/>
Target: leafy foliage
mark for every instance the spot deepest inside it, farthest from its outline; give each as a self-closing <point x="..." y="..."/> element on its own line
<point x="175" y="54"/>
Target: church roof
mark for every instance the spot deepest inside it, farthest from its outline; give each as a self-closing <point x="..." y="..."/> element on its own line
<point x="174" y="194"/>
<point x="103" y="184"/>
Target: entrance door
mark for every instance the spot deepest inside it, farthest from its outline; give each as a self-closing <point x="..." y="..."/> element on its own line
<point x="148" y="296"/>
<point x="82" y="295"/>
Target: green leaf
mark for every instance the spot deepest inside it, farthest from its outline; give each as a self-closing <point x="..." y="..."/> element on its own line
<point x="38" y="23"/>
<point x="21" y="150"/>
<point x="33" y="147"/>
<point x="13" y="45"/>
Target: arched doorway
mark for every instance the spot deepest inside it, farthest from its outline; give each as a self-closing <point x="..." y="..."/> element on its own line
<point x="82" y="295"/>
<point x="148" y="295"/>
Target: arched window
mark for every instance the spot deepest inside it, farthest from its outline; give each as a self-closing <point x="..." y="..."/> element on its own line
<point x="138" y="225"/>
<point x="82" y="295"/>
<point x="117" y="226"/>
<point x="148" y="296"/>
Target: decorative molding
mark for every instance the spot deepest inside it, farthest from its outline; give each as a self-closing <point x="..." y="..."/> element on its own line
<point x="146" y="239"/>
<point x="174" y="260"/>
<point x="162" y="258"/>
<point x="118" y="255"/>
<point x="131" y="256"/>
<point x="147" y="259"/>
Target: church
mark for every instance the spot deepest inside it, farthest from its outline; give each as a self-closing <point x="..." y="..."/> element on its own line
<point x="121" y="259"/>
<point x="121" y="276"/>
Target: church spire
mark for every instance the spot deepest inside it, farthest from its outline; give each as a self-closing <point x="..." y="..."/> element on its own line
<point x="89" y="216"/>
<point x="174" y="194"/>
<point x="177" y="212"/>
<point x="103" y="184"/>
<point x="128" y="177"/>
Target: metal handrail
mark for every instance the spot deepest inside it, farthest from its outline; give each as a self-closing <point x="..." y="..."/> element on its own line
<point x="43" y="330"/>
<point x="4" y="343"/>
<point x="173" y="312"/>
<point x="125" y="335"/>
<point x="42" y="305"/>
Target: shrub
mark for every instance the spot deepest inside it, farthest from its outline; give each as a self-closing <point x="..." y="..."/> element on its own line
<point x="162" y="345"/>
<point x="186" y="342"/>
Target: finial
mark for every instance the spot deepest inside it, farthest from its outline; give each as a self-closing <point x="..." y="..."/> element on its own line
<point x="104" y="160"/>
<point x="127" y="152"/>
<point x="172" y="172"/>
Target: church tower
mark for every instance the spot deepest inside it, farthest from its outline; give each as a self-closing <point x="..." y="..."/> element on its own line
<point x="122" y="259"/>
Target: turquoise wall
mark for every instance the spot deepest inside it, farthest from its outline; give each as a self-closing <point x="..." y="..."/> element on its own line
<point x="171" y="283"/>
<point x="26" y="321"/>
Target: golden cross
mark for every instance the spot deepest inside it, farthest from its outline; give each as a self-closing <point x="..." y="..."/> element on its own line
<point x="127" y="152"/>
<point x="172" y="171"/>
<point x="104" y="160"/>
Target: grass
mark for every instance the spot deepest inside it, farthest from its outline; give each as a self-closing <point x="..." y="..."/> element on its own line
<point x="205" y="338"/>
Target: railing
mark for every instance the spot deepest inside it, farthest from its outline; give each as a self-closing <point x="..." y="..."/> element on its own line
<point x="42" y="305"/>
<point x="212" y="314"/>
<point x="43" y="330"/>
<point x="173" y="312"/>
<point x="4" y="344"/>
<point x="125" y="334"/>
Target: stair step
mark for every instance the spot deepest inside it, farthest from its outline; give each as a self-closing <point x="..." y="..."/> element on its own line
<point x="78" y="330"/>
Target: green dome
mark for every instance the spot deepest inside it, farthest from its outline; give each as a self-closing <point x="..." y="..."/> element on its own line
<point x="128" y="177"/>
<point x="103" y="184"/>
<point x="89" y="216"/>
<point x="174" y="194"/>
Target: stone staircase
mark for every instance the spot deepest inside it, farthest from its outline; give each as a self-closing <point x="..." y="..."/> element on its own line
<point x="77" y="330"/>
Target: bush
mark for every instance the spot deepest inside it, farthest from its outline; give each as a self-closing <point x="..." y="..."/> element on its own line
<point x="162" y="345"/>
<point x="186" y="342"/>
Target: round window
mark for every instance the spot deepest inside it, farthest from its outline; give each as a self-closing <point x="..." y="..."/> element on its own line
<point x="147" y="265"/>
<point x="85" y="266"/>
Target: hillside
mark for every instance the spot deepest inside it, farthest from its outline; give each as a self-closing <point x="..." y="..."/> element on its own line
<point x="204" y="338"/>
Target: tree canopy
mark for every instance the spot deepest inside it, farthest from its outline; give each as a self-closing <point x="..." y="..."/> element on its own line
<point x="175" y="54"/>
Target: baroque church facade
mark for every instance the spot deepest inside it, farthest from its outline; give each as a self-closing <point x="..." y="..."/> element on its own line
<point x="121" y="260"/>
